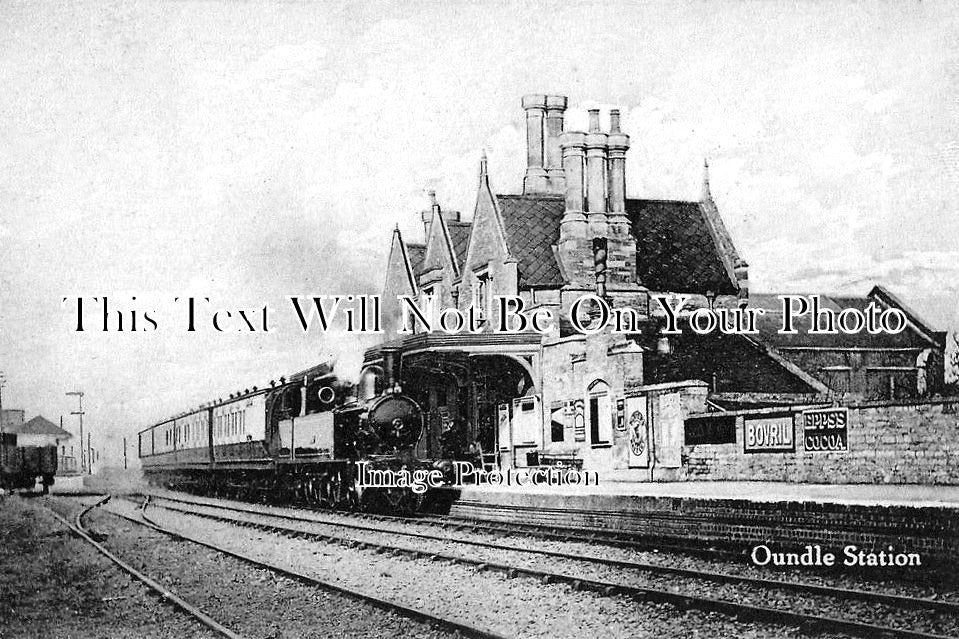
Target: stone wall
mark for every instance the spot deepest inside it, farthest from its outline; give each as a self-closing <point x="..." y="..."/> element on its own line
<point x="888" y="442"/>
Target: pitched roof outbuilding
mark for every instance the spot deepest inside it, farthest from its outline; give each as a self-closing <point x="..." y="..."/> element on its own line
<point x="39" y="425"/>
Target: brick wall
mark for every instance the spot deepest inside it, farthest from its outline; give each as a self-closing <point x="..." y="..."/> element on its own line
<point x="889" y="442"/>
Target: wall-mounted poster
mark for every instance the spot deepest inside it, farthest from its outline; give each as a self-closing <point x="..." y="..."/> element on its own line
<point x="637" y="425"/>
<point x="579" y="420"/>
<point x="825" y="430"/>
<point x="669" y="423"/>
<point x="769" y="434"/>
<point x="505" y="437"/>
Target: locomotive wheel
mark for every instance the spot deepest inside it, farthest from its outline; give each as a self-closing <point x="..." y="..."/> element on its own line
<point x="330" y="490"/>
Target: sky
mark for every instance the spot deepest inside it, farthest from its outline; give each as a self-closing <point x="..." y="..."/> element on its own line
<point x="250" y="151"/>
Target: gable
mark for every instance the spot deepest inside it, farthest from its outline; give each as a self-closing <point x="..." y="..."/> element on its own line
<point x="487" y="235"/>
<point x="400" y="279"/>
<point x="439" y="252"/>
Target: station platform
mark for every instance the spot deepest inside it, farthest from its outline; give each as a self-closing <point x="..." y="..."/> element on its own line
<point x="761" y="491"/>
<point x="734" y="516"/>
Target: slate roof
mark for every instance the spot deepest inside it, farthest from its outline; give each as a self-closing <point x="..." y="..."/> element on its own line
<point x="532" y="228"/>
<point x="416" y="253"/>
<point x="676" y="249"/>
<point x="39" y="425"/>
<point x="770" y="323"/>
<point x="460" y="236"/>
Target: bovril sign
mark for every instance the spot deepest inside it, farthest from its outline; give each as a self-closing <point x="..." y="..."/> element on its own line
<point x="825" y="430"/>
<point x="769" y="434"/>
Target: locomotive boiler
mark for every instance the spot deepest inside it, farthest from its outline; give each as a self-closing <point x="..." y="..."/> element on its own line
<point x="296" y="442"/>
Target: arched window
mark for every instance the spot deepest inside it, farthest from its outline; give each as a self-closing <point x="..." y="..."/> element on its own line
<point x="599" y="414"/>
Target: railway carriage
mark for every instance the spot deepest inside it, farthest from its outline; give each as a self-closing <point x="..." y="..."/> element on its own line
<point x="20" y="466"/>
<point x="297" y="442"/>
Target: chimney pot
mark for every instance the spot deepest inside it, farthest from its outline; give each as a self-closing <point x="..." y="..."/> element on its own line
<point x="594" y="120"/>
<point x="535" y="107"/>
<point x="573" y="145"/>
<point x="596" y="154"/>
<point x="616" y="169"/>
<point x="553" y="161"/>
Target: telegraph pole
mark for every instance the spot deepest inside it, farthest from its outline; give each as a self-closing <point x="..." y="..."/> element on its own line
<point x="79" y="395"/>
<point x="124" y="453"/>
<point x="3" y="381"/>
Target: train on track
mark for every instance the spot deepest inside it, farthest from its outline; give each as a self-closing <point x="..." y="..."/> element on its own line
<point x="297" y="441"/>
<point x="20" y="466"/>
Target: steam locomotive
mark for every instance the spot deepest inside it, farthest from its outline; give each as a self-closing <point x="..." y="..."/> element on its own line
<point x="296" y="442"/>
<point x="21" y="465"/>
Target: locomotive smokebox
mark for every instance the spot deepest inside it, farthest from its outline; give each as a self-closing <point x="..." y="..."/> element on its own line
<point x="392" y="361"/>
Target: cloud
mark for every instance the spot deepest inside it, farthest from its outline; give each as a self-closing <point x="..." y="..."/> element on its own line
<point x="287" y="64"/>
<point x="837" y="159"/>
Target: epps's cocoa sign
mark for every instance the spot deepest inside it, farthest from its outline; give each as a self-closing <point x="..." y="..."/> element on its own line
<point x="825" y="430"/>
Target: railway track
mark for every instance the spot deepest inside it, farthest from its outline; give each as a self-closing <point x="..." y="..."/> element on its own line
<point x="78" y="529"/>
<point x="452" y="626"/>
<point x="292" y="525"/>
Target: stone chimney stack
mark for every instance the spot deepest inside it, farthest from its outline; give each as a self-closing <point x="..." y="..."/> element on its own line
<point x="596" y="151"/>
<point x="616" y="172"/>
<point x="596" y="245"/>
<point x="573" y="145"/>
<point x="555" y="110"/>
<point x="536" y="180"/>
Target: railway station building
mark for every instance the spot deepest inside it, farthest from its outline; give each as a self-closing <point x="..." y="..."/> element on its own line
<point x="642" y="401"/>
